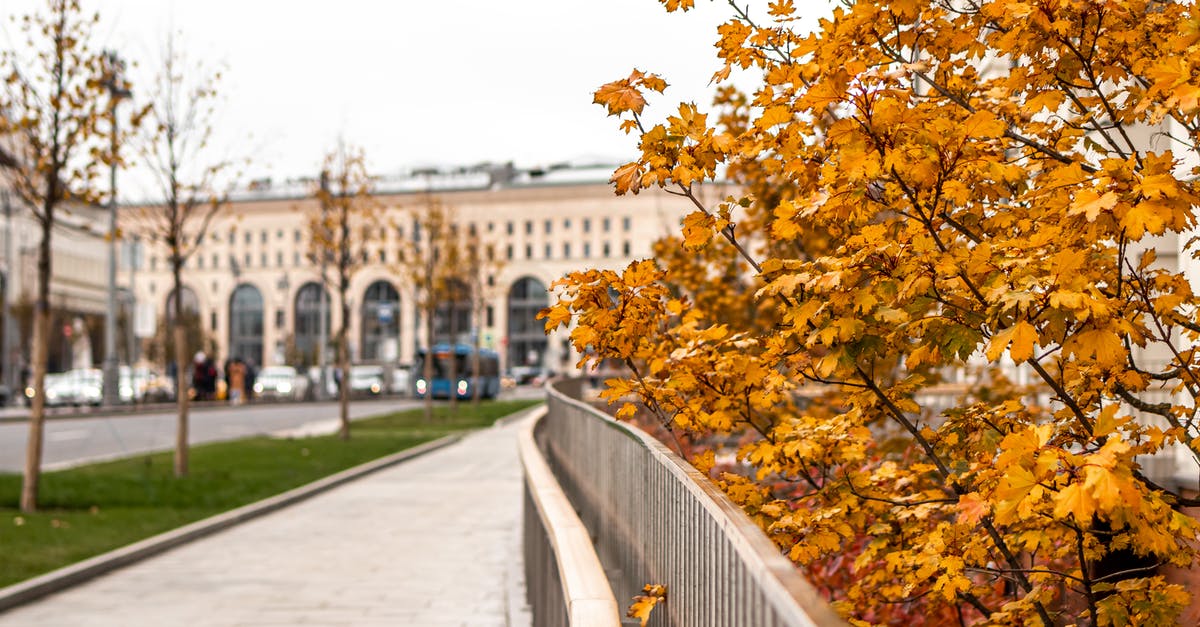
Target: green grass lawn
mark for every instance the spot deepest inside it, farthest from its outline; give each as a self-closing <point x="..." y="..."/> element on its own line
<point x="88" y="510"/>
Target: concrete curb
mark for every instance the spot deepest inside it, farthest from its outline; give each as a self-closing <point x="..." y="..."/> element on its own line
<point x="54" y="581"/>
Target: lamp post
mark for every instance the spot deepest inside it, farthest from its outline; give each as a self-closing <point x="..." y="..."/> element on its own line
<point x="116" y="91"/>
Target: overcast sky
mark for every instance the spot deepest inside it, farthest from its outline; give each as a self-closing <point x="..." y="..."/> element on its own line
<point x="433" y="82"/>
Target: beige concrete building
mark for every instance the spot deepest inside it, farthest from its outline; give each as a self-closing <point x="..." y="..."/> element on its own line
<point x="259" y="296"/>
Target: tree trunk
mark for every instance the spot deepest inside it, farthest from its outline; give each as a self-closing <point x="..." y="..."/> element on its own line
<point x="37" y="413"/>
<point x="452" y="363"/>
<point x="477" y="391"/>
<point x="343" y="360"/>
<point x="41" y="347"/>
<point x="181" y="393"/>
<point x="429" y="354"/>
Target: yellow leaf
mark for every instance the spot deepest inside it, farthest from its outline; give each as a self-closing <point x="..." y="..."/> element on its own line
<point x="697" y="229"/>
<point x="998" y="343"/>
<point x="1024" y="336"/>
<point x="773" y="115"/>
<point x="1076" y="501"/>
<point x="643" y="604"/>
<point x="628" y="178"/>
<point x="1091" y="204"/>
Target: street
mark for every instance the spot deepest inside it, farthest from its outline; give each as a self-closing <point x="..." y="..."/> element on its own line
<point x="72" y="441"/>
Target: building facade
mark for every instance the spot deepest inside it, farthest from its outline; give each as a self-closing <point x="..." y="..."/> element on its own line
<point x="260" y="298"/>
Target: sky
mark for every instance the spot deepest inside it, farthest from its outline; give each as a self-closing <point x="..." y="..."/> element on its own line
<point x="415" y="83"/>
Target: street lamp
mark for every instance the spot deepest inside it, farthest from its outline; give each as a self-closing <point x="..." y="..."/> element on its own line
<point x="117" y="91"/>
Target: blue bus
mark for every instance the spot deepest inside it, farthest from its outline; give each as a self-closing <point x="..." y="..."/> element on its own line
<point x="487" y="380"/>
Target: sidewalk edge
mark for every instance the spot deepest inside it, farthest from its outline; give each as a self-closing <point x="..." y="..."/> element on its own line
<point x="67" y="576"/>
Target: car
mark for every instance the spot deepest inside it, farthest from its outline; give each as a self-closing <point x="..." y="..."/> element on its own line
<point x="401" y="380"/>
<point x="87" y="386"/>
<point x="280" y="383"/>
<point x="58" y="390"/>
<point x="366" y="380"/>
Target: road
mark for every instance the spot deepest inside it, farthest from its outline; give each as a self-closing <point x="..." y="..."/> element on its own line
<point x="73" y="441"/>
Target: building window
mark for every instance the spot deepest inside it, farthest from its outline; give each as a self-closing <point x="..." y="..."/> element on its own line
<point x="216" y="263"/>
<point x="279" y="258"/>
<point x="587" y="225"/>
<point x="471" y="230"/>
<point x="529" y="227"/>
<point x="153" y="262"/>
<point x="508" y="252"/>
<point x="529" y="251"/>
<point x="212" y="320"/>
<point x="587" y="250"/>
<point x="248" y="256"/>
<point x="566" y="250"/>
<point x="263" y="257"/>
<point x="549" y="252"/>
<point x="380" y="321"/>
<point x="607" y="250"/>
<point x="232" y="236"/>
<point x="246" y="323"/>
<point x="263" y="237"/>
<point x="625" y="248"/>
<point x="200" y="261"/>
<point x="279" y="234"/>
<point x="296" y="259"/>
<point x="279" y="319"/>
<point x="526" y="334"/>
<point x="382" y="256"/>
<point x="509" y="226"/>
<point x="605" y="224"/>
<point x="248" y="237"/>
<point x="308" y="321"/>
<point x="296" y="235"/>
<point x="549" y="226"/>
<point x="490" y="227"/>
<point x="626" y="223"/>
<point x="566" y="223"/>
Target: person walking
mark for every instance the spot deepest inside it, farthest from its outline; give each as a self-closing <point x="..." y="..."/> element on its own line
<point x="237" y="381"/>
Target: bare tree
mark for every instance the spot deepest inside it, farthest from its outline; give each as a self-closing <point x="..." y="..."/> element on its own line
<point x="429" y="268"/>
<point x="175" y="148"/>
<point x="52" y="100"/>
<point x="340" y="232"/>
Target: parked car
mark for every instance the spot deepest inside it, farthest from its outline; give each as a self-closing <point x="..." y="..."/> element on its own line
<point x="366" y="380"/>
<point x="87" y="386"/>
<point x="401" y="380"/>
<point x="280" y="383"/>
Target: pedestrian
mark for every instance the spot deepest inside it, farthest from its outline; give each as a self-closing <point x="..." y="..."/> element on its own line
<point x="251" y="374"/>
<point x="199" y="372"/>
<point x="237" y="381"/>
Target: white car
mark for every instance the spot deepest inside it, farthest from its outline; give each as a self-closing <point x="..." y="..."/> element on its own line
<point x="366" y="380"/>
<point x="280" y="383"/>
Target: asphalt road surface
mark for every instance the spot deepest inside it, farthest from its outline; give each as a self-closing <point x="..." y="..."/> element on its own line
<point x="83" y="439"/>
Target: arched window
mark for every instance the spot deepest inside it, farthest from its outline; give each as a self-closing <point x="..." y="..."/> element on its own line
<point x="246" y="324"/>
<point x="452" y="320"/>
<point x="191" y="304"/>
<point x="311" y="302"/>
<point x="526" y="334"/>
<point x="380" y="322"/>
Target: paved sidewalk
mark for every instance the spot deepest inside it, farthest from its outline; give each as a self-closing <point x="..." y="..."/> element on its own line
<point x="430" y="542"/>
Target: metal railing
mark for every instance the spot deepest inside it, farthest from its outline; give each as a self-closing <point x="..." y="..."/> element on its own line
<point x="654" y="519"/>
<point x="565" y="583"/>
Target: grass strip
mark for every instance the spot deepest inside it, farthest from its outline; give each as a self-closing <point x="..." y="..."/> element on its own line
<point x="89" y="510"/>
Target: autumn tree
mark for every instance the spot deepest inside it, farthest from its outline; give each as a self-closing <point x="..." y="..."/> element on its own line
<point x="436" y="265"/>
<point x="340" y="232"/>
<point x="192" y="183"/>
<point x="477" y="269"/>
<point x="933" y="190"/>
<point x="51" y="104"/>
